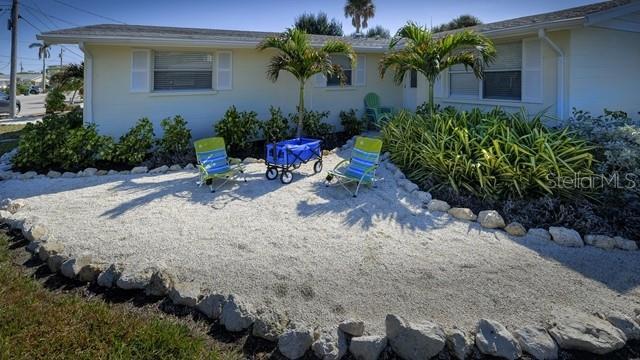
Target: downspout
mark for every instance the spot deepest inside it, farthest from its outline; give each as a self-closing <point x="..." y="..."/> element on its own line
<point x="87" y="111"/>
<point x="542" y="35"/>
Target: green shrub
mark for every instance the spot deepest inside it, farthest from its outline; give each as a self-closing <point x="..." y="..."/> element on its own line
<point x="57" y="143"/>
<point x="237" y="128"/>
<point x="54" y="102"/>
<point x="351" y="124"/>
<point x="22" y="89"/>
<point x="312" y="124"/>
<point x="176" y="137"/>
<point x="135" y="145"/>
<point x="493" y="155"/>
<point x="277" y="127"/>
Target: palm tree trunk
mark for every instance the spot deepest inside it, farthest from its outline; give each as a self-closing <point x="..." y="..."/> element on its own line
<point x="431" y="104"/>
<point x="73" y="96"/>
<point x="44" y="74"/>
<point x="300" y="110"/>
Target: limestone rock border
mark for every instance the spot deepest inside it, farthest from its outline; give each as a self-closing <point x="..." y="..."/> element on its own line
<point x="295" y="339"/>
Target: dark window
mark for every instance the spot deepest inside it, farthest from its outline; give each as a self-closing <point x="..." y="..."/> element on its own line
<point x="335" y="81"/>
<point x="502" y="85"/>
<point x="414" y="79"/>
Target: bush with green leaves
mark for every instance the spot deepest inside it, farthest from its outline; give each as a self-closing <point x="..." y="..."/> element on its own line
<point x="312" y="124"/>
<point x="351" y="124"/>
<point x="237" y="128"/>
<point x="493" y="155"/>
<point x="54" y="102"/>
<point x="277" y="127"/>
<point x="134" y="146"/>
<point x="176" y="137"/>
<point x="57" y="143"/>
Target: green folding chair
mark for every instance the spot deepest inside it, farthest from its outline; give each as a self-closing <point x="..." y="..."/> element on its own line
<point x="361" y="168"/>
<point x="374" y="111"/>
<point x="214" y="164"/>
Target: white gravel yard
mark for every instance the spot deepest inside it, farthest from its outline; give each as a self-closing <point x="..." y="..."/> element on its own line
<point x="322" y="256"/>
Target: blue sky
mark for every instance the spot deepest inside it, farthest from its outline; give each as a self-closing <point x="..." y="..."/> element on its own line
<point x="265" y="15"/>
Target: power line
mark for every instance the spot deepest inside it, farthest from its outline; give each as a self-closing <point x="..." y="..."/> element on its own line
<point x="90" y="12"/>
<point x="49" y="17"/>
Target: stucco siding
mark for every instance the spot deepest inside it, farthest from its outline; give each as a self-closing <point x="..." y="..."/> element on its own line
<point x="115" y="109"/>
<point x="604" y="70"/>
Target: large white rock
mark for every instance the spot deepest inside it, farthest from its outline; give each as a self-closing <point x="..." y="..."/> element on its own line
<point x="68" y="175"/>
<point x="89" y="172"/>
<point x="269" y="325"/>
<point x="71" y="268"/>
<point x="539" y="234"/>
<point x="53" y="174"/>
<point x="352" y="327"/>
<point x="438" y="205"/>
<point x="160" y="283"/>
<point x="367" y="347"/>
<point x="629" y="327"/>
<point x="49" y="249"/>
<point x="423" y="196"/>
<point x="159" y="170"/>
<point x="515" y="229"/>
<point x="535" y="341"/>
<point x="408" y="185"/>
<point x="566" y="237"/>
<point x="625" y="244"/>
<point x="211" y="305"/>
<point x="35" y="232"/>
<point x="459" y="344"/>
<point x="295" y="342"/>
<point x="587" y="333"/>
<point x="189" y="167"/>
<point x="492" y="338"/>
<point x="490" y="219"/>
<point x="462" y="213"/>
<point x="236" y="314"/>
<point x="414" y="341"/>
<point x="175" y="167"/>
<point x="330" y="345"/>
<point x="139" y="170"/>
<point x="185" y="293"/>
<point x="12" y="206"/>
<point x="601" y="241"/>
<point x="28" y="175"/>
<point x="90" y="272"/>
<point x="134" y="279"/>
<point x="109" y="276"/>
<point x="112" y="172"/>
<point x="54" y="262"/>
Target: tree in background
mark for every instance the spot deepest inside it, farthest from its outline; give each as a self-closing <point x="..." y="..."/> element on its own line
<point x="318" y="24"/>
<point x="43" y="54"/>
<point x="360" y="11"/>
<point x="428" y="55"/>
<point x="69" y="78"/>
<point x="460" y="22"/>
<point x="379" y="32"/>
<point x="297" y="57"/>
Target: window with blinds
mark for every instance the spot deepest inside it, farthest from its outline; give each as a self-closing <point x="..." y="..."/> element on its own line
<point x="462" y="82"/>
<point x="182" y="70"/>
<point x="344" y="62"/>
<point x="503" y="78"/>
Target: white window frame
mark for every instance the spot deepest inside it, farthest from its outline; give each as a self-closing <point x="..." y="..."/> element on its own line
<point x="219" y="70"/>
<point x="360" y="72"/>
<point x="152" y="70"/>
<point x="481" y="92"/>
<point x="353" y="71"/>
<point x="146" y="70"/>
<point x="454" y="96"/>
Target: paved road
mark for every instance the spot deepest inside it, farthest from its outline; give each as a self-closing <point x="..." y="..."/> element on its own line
<point x="32" y="109"/>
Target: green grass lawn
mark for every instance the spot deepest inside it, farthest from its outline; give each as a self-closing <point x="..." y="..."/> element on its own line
<point x="36" y="323"/>
<point x="9" y="135"/>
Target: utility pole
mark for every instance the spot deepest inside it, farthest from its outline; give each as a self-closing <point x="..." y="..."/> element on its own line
<point x="61" y="50"/>
<point x="14" y="57"/>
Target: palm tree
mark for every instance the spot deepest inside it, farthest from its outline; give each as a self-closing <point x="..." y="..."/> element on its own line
<point x="298" y="57"/>
<point x="428" y="55"/>
<point x="70" y="78"/>
<point x="360" y="12"/>
<point x="318" y="24"/>
<point x="378" y="32"/>
<point x="43" y="54"/>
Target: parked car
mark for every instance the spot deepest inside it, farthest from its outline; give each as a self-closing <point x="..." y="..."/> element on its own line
<point x="5" y="104"/>
<point x="34" y="90"/>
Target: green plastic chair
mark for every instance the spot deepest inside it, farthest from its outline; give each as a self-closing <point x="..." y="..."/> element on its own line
<point x="214" y="164"/>
<point x="361" y="168"/>
<point x="374" y="111"/>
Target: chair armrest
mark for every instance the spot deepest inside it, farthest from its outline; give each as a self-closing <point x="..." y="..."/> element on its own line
<point x="341" y="163"/>
<point x="387" y="109"/>
<point x="202" y="169"/>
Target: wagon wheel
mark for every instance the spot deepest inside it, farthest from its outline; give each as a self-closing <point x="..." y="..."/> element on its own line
<point x="286" y="177"/>
<point x="296" y="166"/>
<point x="272" y="173"/>
<point x="317" y="167"/>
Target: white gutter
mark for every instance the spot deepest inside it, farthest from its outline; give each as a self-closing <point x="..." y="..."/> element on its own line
<point x="560" y="72"/>
<point x="87" y="110"/>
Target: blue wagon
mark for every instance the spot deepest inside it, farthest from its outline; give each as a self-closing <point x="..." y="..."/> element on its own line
<point x="289" y="154"/>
